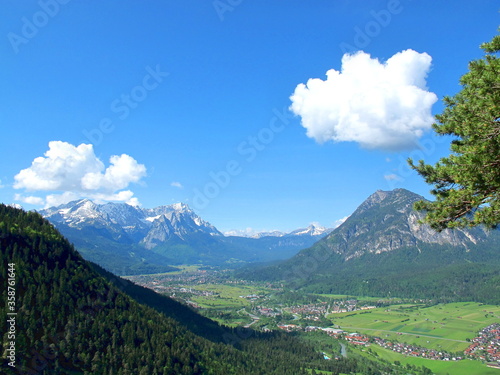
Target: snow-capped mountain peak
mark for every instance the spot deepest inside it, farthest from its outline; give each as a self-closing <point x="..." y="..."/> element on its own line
<point x="311" y="230"/>
<point x="147" y="226"/>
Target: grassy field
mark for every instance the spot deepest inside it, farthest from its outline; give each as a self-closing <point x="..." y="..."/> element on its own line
<point x="444" y="326"/>
<point x="184" y="269"/>
<point x="464" y="367"/>
<point x="227" y="296"/>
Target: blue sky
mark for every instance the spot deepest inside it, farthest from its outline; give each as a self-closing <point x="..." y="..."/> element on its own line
<point x="159" y="102"/>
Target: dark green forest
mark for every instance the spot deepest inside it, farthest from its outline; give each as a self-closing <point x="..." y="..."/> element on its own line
<point x="75" y="318"/>
<point x="437" y="272"/>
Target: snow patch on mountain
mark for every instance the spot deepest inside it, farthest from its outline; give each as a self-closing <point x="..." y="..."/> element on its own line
<point x="147" y="226"/>
<point x="152" y="218"/>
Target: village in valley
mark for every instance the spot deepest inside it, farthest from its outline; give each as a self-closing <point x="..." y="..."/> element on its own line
<point x="268" y="307"/>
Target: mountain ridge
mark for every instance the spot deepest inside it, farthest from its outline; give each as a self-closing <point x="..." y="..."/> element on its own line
<point x="163" y="236"/>
<point x="400" y="227"/>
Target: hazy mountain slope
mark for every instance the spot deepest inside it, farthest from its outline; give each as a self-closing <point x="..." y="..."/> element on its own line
<point x="265" y="248"/>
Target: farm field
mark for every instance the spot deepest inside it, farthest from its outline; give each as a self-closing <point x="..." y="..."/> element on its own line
<point x="444" y="326"/>
<point x="463" y="367"/>
<point x="225" y="296"/>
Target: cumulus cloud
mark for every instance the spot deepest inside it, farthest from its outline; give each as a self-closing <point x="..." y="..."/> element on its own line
<point x="70" y="172"/>
<point x="177" y="185"/>
<point x="378" y="105"/>
<point x="339" y="222"/>
<point x="392" y="177"/>
<point x="29" y="199"/>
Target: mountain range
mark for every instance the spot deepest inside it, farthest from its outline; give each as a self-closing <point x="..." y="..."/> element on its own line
<point x="127" y="239"/>
<point x="382" y="249"/>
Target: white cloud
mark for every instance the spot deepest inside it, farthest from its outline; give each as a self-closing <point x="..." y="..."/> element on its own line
<point x="379" y="105"/>
<point x="247" y="232"/>
<point x="52" y="200"/>
<point x="61" y="169"/>
<point x="30" y="199"/>
<point x="392" y="177"/>
<point x="177" y="185"/>
<point x="123" y="170"/>
<point x="71" y="172"/>
<point x="339" y="222"/>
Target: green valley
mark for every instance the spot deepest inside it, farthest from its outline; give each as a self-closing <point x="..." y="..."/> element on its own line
<point x="441" y="327"/>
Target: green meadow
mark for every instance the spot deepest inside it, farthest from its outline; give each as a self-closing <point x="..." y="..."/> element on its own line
<point x="444" y="326"/>
<point x="227" y="296"/>
<point x="463" y="367"/>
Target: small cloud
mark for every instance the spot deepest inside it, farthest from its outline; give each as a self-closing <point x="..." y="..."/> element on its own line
<point x="247" y="232"/>
<point x="383" y="106"/>
<point x="52" y="200"/>
<point x="177" y="185"/>
<point x="67" y="172"/>
<point x="1" y="185"/>
<point x="392" y="177"/>
<point x="37" y="201"/>
<point x="339" y="222"/>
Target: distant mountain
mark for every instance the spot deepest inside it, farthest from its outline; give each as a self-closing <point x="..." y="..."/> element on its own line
<point x="270" y="246"/>
<point x="311" y="230"/>
<point x="386" y="221"/>
<point x="131" y="240"/>
<point x="130" y="223"/>
<point x="382" y="249"/>
<point x="128" y="240"/>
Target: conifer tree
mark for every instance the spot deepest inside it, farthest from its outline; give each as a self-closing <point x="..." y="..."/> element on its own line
<point x="467" y="183"/>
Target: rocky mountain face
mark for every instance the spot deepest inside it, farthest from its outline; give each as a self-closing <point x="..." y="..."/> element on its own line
<point x="127" y="240"/>
<point x="165" y="235"/>
<point x="132" y="224"/>
<point x="386" y="221"/>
